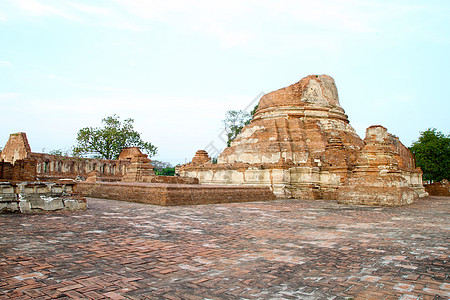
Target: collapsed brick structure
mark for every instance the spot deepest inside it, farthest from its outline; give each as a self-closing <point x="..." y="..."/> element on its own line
<point x="140" y="168"/>
<point x="201" y="157"/>
<point x="383" y="173"/>
<point x="301" y="145"/>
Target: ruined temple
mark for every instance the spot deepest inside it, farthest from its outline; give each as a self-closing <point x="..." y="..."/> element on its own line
<point x="300" y="143"/>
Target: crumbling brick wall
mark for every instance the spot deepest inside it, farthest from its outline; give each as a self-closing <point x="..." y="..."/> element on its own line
<point x="24" y="170"/>
<point x="21" y="170"/>
<point x="6" y="170"/>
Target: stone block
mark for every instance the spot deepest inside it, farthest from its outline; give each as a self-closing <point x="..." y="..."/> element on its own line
<point x="9" y="206"/>
<point x="54" y="198"/>
<point x="57" y="189"/>
<point x="46" y="203"/>
<point x="8" y="197"/>
<point x="25" y="206"/>
<point x="75" y="204"/>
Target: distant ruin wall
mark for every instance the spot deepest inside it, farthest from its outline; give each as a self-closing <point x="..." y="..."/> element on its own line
<point x="18" y="163"/>
<point x="49" y="167"/>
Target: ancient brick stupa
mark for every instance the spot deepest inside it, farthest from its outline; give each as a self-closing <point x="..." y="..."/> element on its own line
<point x="301" y="145"/>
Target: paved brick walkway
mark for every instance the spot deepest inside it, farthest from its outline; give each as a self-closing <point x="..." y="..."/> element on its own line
<point x="285" y="249"/>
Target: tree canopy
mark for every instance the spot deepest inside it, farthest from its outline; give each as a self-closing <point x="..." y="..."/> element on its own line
<point x="235" y="120"/>
<point x="432" y="152"/>
<point x="108" y="141"/>
<point x="163" y="168"/>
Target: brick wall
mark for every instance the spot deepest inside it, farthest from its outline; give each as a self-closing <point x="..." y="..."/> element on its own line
<point x="21" y="170"/>
<point x="171" y="194"/>
<point x="6" y="170"/>
<point x="50" y="167"/>
<point x="438" y="188"/>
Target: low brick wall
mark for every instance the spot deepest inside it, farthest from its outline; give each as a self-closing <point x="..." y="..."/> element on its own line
<point x="438" y="188"/>
<point x="174" y="179"/>
<point x="173" y="194"/>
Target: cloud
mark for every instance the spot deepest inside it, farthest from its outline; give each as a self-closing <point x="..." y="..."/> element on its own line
<point x="9" y="96"/>
<point x="252" y="24"/>
<point x="34" y="7"/>
<point x="92" y="9"/>
<point x="4" y="62"/>
<point x="81" y="85"/>
<point x="233" y="23"/>
<point x="106" y="15"/>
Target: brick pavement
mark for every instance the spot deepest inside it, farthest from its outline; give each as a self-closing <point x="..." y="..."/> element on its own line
<point x="284" y="249"/>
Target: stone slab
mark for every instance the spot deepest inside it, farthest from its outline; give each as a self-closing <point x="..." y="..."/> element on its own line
<point x="37" y="197"/>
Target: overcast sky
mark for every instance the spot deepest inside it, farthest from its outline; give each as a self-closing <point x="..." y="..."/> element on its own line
<point x="176" y="67"/>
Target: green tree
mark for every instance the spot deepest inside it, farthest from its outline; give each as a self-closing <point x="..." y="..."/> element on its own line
<point x="432" y="152"/>
<point x="163" y="168"/>
<point x="235" y="120"/>
<point x="108" y="141"/>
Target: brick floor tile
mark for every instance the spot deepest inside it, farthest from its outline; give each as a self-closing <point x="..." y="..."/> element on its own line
<point x="93" y="295"/>
<point x="70" y="287"/>
<point x="283" y="249"/>
<point x="409" y="297"/>
<point x="114" y="296"/>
